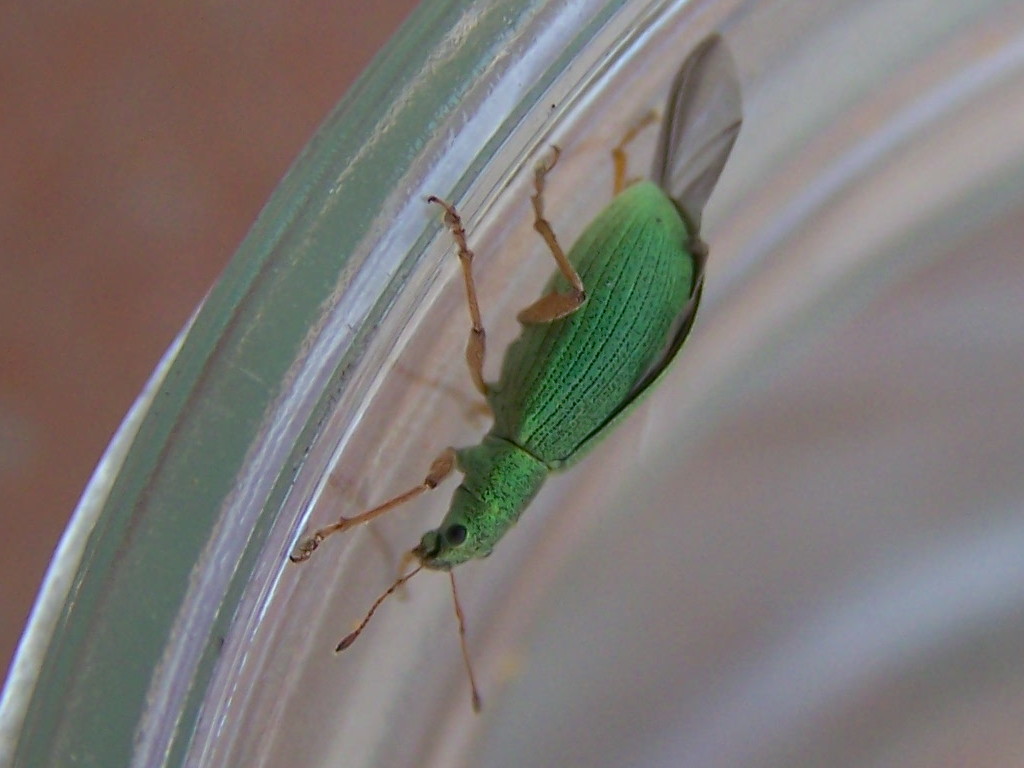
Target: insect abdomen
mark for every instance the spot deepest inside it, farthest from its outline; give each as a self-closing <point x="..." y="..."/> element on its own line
<point x="562" y="380"/>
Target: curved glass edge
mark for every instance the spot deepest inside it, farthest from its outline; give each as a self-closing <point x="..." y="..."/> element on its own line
<point x="57" y="583"/>
<point x="204" y="440"/>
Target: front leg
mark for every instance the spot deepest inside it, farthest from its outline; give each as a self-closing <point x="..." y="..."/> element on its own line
<point x="439" y="470"/>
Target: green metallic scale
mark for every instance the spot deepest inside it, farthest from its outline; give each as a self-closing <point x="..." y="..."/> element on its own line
<point x="610" y="322"/>
<point x="564" y="382"/>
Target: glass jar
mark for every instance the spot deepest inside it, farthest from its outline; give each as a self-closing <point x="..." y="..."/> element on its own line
<point x="805" y="548"/>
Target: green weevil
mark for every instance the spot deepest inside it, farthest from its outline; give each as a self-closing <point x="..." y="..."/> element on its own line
<point x="610" y="321"/>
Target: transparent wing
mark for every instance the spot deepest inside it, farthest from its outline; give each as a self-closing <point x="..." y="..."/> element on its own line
<point x="702" y="119"/>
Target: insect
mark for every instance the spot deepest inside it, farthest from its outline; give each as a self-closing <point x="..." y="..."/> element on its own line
<point x="610" y="321"/>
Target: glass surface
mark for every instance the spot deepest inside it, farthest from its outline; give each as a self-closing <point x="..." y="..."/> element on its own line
<point x="804" y="549"/>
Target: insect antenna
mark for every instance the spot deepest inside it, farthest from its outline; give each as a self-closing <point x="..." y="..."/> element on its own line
<point x="477" y="701"/>
<point x="351" y="636"/>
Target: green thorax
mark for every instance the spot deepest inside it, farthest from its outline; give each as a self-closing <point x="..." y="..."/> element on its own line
<point x="500" y="480"/>
<point x="562" y="381"/>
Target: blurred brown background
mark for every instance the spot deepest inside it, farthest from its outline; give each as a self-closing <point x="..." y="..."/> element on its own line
<point x="139" y="142"/>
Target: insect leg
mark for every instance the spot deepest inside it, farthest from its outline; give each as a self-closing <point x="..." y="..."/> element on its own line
<point x="619" y="157"/>
<point x="475" y="347"/>
<point x="439" y="470"/>
<point x="554" y="305"/>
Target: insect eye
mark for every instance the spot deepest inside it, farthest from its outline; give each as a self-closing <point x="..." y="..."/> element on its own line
<point x="455" y="534"/>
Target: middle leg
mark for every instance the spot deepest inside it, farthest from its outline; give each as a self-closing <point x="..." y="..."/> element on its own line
<point x="554" y="305"/>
